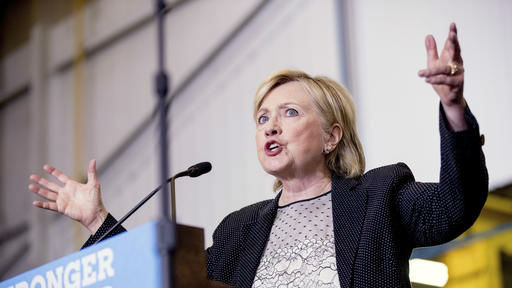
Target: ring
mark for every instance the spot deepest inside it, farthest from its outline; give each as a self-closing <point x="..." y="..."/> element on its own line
<point x="453" y="68"/>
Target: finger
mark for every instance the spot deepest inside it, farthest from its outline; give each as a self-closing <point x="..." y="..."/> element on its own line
<point x="56" y="173"/>
<point x="46" y="205"/>
<point x="92" y="175"/>
<point x="453" y="27"/>
<point x="452" y="45"/>
<point x="444" y="80"/>
<point x="47" y="194"/>
<point x="435" y="70"/>
<point x="440" y="69"/>
<point x="430" y="44"/>
<point x="45" y="183"/>
<point x="456" y="44"/>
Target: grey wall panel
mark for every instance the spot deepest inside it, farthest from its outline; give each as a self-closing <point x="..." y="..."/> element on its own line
<point x="15" y="201"/>
<point x="14" y="143"/>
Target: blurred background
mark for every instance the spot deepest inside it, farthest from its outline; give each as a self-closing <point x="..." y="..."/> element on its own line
<point x="76" y="82"/>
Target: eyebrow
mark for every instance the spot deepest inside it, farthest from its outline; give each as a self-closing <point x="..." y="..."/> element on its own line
<point x="280" y="106"/>
<point x="261" y="110"/>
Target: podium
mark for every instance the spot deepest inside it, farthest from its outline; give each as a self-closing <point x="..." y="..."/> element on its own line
<point x="129" y="259"/>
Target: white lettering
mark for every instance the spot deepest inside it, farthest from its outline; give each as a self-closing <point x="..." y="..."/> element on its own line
<point x="89" y="275"/>
<point x="55" y="282"/>
<point x="105" y="257"/>
<point x="75" y="276"/>
<point x="38" y="279"/>
<point x="94" y="267"/>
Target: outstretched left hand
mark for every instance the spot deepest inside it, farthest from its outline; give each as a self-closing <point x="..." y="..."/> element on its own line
<point x="446" y="74"/>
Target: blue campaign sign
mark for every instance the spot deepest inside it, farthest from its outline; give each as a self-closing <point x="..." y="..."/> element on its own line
<point x="127" y="260"/>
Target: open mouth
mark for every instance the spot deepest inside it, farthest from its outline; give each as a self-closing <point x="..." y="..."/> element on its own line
<point x="273" y="148"/>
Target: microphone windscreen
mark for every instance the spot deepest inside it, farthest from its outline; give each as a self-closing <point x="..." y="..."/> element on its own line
<point x="199" y="169"/>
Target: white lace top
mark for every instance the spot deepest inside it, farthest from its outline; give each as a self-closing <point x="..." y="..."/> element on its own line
<point x="300" y="250"/>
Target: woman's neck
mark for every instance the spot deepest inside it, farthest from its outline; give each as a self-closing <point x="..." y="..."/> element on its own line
<point x="304" y="188"/>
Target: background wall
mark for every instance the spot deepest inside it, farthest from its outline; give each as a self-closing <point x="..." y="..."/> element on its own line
<point x="398" y="112"/>
<point x="76" y="82"/>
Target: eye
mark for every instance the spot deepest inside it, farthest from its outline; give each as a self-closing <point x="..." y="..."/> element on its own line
<point x="291" y="112"/>
<point x="262" y="119"/>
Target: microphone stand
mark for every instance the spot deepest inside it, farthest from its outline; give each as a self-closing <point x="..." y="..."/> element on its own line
<point x="142" y="202"/>
<point x="166" y="226"/>
<point x="193" y="171"/>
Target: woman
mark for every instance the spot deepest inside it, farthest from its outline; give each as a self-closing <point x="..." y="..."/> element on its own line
<point x="330" y="225"/>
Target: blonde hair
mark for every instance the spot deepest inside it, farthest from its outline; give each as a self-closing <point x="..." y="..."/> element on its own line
<point x="334" y="105"/>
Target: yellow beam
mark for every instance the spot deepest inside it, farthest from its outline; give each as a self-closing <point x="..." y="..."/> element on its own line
<point x="499" y="204"/>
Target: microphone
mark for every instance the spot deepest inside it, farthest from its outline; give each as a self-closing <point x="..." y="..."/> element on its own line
<point x="193" y="171"/>
<point x="199" y="169"/>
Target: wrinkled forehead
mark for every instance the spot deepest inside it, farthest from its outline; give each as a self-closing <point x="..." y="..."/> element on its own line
<point x="289" y="92"/>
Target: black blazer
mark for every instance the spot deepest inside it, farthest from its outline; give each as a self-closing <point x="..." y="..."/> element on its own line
<point x="378" y="218"/>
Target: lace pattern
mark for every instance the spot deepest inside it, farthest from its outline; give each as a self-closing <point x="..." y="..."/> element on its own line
<point x="300" y="251"/>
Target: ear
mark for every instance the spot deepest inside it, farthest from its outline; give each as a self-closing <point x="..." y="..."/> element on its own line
<point x="334" y="135"/>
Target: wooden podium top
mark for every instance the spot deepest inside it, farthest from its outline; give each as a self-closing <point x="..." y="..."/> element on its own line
<point x="190" y="259"/>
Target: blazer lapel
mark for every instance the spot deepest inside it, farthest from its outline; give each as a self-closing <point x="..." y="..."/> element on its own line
<point x="349" y="210"/>
<point x="256" y="240"/>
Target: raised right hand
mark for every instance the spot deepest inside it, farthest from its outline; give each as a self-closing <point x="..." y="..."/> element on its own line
<point x="448" y="84"/>
<point x="80" y="202"/>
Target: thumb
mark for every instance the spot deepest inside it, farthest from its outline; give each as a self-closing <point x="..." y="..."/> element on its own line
<point x="92" y="176"/>
<point x="430" y="44"/>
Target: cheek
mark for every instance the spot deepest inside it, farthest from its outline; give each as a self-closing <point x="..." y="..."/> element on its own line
<point x="260" y="140"/>
<point x="306" y="145"/>
<point x="309" y="136"/>
<point x="260" y="143"/>
<point x="313" y="142"/>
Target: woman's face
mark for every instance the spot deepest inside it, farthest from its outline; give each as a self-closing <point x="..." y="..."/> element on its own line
<point x="289" y="136"/>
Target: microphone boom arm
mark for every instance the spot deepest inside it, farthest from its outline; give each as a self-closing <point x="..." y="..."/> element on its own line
<point x="193" y="171"/>
<point x="144" y="200"/>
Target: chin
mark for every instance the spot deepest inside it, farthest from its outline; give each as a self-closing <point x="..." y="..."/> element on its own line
<point x="275" y="169"/>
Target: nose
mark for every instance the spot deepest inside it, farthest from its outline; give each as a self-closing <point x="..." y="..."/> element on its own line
<point x="273" y="127"/>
